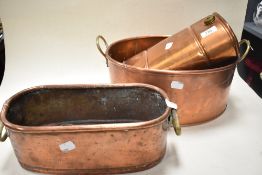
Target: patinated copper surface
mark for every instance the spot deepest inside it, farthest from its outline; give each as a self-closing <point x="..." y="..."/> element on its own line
<point x="114" y="128"/>
<point x="203" y="45"/>
<point x="201" y="95"/>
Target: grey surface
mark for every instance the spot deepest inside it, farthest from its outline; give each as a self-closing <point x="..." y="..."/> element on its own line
<point x="252" y="28"/>
<point x="251" y="8"/>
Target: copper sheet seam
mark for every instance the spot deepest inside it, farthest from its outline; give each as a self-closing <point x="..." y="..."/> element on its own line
<point x="200" y="47"/>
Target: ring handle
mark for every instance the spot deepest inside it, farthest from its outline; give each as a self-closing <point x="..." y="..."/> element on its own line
<point x="98" y="38"/>
<point x="175" y="122"/>
<point x="247" y="42"/>
<point x="3" y="137"/>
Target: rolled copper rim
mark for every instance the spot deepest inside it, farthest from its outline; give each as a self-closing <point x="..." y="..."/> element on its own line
<point x="83" y="128"/>
<point x="157" y="71"/>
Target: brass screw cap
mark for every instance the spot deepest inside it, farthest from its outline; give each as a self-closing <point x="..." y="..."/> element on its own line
<point x="209" y="20"/>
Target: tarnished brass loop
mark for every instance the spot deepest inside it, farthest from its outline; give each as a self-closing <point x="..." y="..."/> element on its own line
<point x="175" y="122"/>
<point x="247" y="42"/>
<point x="209" y="20"/>
<point x="3" y="137"/>
<point x="99" y="47"/>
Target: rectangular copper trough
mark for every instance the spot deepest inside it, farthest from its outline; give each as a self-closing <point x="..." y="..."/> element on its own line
<point x="88" y="128"/>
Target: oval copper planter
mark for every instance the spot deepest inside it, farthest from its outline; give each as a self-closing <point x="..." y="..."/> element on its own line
<point x="201" y="95"/>
<point x="91" y="129"/>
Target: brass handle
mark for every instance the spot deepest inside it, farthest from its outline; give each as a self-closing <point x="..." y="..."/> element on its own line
<point x="98" y="38"/>
<point x="4" y="136"/>
<point x="175" y="122"/>
<point x="247" y="42"/>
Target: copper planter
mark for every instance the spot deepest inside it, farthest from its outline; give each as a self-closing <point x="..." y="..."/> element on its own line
<point x="201" y="95"/>
<point x="88" y="128"/>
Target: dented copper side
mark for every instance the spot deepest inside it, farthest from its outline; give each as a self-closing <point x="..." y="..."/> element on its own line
<point x="91" y="129"/>
<point x="201" y="95"/>
<point x="205" y="44"/>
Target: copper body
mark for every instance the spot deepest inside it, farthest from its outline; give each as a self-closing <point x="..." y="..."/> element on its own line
<point x="109" y="129"/>
<point x="201" y="95"/>
<point x="204" y="44"/>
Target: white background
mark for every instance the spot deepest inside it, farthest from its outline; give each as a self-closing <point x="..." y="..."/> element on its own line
<point x="53" y="42"/>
